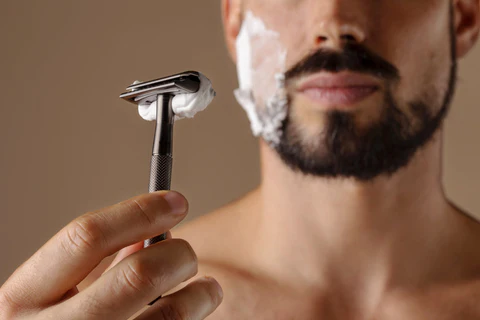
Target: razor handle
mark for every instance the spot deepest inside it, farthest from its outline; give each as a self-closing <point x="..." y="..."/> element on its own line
<point x="160" y="177"/>
<point x="161" y="163"/>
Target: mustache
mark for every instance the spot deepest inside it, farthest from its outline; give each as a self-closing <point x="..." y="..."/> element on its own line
<point x="354" y="57"/>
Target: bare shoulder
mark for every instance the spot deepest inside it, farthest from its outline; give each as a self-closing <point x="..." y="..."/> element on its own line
<point x="457" y="296"/>
<point x="215" y="235"/>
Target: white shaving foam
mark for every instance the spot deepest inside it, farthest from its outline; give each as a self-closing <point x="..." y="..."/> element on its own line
<point x="183" y="105"/>
<point x="261" y="63"/>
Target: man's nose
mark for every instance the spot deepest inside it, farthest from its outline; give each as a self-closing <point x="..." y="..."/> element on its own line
<point x="338" y="23"/>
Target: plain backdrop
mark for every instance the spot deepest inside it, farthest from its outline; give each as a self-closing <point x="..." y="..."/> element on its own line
<point x="69" y="145"/>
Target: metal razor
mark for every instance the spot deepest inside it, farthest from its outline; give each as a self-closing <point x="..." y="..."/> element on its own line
<point x="162" y="91"/>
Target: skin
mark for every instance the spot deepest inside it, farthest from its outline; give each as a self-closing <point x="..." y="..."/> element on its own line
<point x="296" y="247"/>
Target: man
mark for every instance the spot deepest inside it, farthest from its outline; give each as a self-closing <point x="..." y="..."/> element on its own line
<point x="350" y="220"/>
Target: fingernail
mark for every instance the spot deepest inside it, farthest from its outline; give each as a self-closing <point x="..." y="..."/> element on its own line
<point x="219" y="288"/>
<point x="176" y="201"/>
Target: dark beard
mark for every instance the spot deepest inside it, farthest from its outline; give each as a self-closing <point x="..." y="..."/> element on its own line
<point x="386" y="146"/>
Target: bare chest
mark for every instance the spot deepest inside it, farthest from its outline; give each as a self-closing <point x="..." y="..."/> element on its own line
<point x="264" y="305"/>
<point x="292" y="312"/>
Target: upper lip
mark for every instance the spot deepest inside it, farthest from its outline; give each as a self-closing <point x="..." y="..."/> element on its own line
<point x="337" y="80"/>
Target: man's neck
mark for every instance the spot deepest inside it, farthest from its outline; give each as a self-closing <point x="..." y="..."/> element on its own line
<point x="350" y="234"/>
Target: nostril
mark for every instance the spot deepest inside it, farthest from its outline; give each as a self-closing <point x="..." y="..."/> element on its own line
<point x="348" y="38"/>
<point x="321" y="39"/>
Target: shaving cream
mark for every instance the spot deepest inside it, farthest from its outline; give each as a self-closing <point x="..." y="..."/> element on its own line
<point x="261" y="66"/>
<point x="183" y="105"/>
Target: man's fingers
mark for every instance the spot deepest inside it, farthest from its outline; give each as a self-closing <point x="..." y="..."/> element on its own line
<point x="196" y="301"/>
<point x="125" y="252"/>
<point x="73" y="253"/>
<point x="135" y="281"/>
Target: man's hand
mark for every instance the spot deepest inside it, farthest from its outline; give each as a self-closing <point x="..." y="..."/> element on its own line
<point x="44" y="287"/>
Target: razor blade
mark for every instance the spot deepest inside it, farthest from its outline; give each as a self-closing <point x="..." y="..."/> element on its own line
<point x="147" y="92"/>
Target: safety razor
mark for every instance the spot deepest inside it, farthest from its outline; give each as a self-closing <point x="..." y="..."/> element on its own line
<point x="162" y="91"/>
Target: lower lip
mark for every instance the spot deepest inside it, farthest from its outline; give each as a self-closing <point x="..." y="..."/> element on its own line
<point x="339" y="97"/>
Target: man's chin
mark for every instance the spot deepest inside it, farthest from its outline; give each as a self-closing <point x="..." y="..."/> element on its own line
<point x="314" y="118"/>
<point x="341" y="152"/>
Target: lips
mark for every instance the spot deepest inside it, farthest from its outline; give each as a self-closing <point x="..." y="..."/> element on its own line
<point x="338" y="90"/>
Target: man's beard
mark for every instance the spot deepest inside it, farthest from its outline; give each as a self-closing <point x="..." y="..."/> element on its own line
<point x="342" y="149"/>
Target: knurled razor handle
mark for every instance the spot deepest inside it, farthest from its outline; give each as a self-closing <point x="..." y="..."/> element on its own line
<point x="160" y="178"/>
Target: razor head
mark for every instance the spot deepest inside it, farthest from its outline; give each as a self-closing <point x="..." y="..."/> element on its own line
<point x="145" y="92"/>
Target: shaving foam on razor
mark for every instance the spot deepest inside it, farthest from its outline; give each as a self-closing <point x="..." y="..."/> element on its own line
<point x="184" y="105"/>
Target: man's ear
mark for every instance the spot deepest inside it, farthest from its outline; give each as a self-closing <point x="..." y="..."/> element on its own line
<point x="467" y="24"/>
<point x="232" y="22"/>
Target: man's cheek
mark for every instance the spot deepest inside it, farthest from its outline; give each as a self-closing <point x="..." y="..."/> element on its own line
<point x="261" y="66"/>
<point x="269" y="58"/>
<point x="290" y="20"/>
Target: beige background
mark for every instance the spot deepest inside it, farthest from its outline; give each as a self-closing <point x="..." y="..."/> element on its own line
<point x="70" y="145"/>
